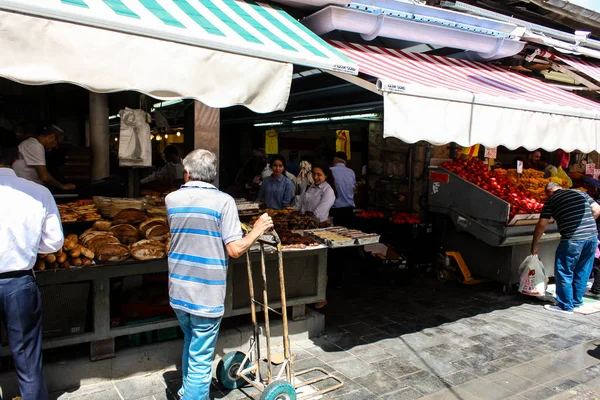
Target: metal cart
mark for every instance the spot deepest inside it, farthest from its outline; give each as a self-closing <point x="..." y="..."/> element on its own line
<point x="237" y="369"/>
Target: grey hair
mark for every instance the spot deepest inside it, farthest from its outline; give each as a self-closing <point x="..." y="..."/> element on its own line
<point x="201" y="165"/>
<point x="552" y="186"/>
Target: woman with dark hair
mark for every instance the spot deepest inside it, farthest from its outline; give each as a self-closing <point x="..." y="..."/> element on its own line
<point x="320" y="196"/>
<point x="276" y="191"/>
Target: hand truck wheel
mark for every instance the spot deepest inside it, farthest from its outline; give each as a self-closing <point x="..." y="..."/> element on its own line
<point x="227" y="370"/>
<point x="279" y="390"/>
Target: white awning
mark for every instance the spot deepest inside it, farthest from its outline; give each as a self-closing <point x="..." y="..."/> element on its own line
<point x="220" y="52"/>
<point x="443" y="100"/>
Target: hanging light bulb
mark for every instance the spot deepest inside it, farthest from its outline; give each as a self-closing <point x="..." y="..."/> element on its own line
<point x="116" y="139"/>
<point x="166" y="135"/>
<point x="158" y="138"/>
<point x="178" y="133"/>
<point x="151" y="137"/>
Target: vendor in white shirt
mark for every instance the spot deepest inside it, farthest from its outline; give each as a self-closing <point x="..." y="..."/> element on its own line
<point x="171" y="174"/>
<point x="321" y="195"/>
<point x="31" y="161"/>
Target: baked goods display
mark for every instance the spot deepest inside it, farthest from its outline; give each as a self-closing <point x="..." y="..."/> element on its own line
<point x="72" y="253"/>
<point x="337" y="236"/>
<point x="130" y="235"/>
<point x="78" y="211"/>
<point x="290" y="219"/>
<point x="293" y="240"/>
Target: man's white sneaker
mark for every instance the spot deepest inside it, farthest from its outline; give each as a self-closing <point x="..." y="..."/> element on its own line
<point x="551" y="307"/>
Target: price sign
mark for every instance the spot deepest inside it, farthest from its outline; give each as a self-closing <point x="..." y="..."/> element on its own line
<point x="491" y="152"/>
<point x="519" y="167"/>
<point x="589" y="168"/>
<point x="596" y="173"/>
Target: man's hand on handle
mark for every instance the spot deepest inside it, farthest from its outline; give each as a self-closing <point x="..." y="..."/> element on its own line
<point x="263" y="224"/>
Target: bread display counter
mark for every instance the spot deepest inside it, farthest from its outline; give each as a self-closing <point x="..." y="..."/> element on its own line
<point x="78" y="282"/>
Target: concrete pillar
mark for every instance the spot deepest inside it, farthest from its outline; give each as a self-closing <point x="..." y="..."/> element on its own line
<point x="99" y="140"/>
<point x="207" y="130"/>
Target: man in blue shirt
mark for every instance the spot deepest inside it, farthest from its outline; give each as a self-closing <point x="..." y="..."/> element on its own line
<point x="345" y="182"/>
<point x="575" y="213"/>
<point x="205" y="229"/>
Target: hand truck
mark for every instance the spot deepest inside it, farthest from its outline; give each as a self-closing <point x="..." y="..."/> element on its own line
<point x="237" y="369"/>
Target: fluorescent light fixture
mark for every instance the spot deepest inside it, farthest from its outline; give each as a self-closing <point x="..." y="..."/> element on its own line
<point x="355" y="116"/>
<point x="311" y="120"/>
<point x="114" y="116"/>
<point x="166" y="103"/>
<point x="269" y="123"/>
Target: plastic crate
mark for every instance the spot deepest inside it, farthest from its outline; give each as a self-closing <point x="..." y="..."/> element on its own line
<point x="64" y="309"/>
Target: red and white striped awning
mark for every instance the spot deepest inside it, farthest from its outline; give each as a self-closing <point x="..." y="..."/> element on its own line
<point x="442" y="100"/>
<point x="590" y="69"/>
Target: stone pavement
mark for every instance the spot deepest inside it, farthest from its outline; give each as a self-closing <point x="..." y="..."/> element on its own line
<point x="431" y="341"/>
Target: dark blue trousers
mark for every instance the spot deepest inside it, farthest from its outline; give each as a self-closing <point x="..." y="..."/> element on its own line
<point x="21" y="311"/>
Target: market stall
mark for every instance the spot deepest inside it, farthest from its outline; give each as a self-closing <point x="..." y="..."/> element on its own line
<point x="493" y="216"/>
<point x="110" y="239"/>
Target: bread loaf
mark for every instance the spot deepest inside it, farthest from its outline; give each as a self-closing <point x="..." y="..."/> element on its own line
<point x="72" y="238"/>
<point x="129" y="216"/>
<point x="100" y="240"/>
<point x="127" y="234"/>
<point x="144" y="226"/>
<point x="147" y="250"/>
<point x="102" y="225"/>
<point x="158" y="232"/>
<point x="112" y="252"/>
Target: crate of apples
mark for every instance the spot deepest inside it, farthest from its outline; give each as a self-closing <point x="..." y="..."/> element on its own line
<point x="498" y="184"/>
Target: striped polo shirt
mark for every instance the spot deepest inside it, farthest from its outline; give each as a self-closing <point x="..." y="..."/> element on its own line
<point x="573" y="215"/>
<point x="202" y="221"/>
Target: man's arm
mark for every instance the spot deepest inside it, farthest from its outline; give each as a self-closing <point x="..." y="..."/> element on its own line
<point x="52" y="235"/>
<point x="238" y="247"/>
<point x="594" y="206"/>
<point x="540" y="228"/>
<point x="49" y="180"/>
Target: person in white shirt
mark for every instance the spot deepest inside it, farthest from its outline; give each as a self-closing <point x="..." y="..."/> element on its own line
<point x="29" y="225"/>
<point x="31" y="161"/>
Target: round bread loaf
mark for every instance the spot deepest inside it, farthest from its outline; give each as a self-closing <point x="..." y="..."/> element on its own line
<point x="158" y="232"/>
<point x="112" y="252"/>
<point x="129" y="216"/>
<point x="102" y="225"/>
<point x="147" y="250"/>
<point x="127" y="234"/>
<point x="144" y="226"/>
<point x="100" y="240"/>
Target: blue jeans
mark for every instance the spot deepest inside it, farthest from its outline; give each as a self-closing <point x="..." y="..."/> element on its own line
<point x="572" y="268"/>
<point x="200" y="340"/>
<point x="21" y="310"/>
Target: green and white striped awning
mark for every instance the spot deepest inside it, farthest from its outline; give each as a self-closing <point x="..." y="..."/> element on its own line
<point x="241" y="27"/>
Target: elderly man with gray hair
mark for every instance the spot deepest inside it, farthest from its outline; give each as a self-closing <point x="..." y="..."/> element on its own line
<point x="575" y="213"/>
<point x="205" y="229"/>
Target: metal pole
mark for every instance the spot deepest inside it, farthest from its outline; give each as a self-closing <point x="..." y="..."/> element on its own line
<point x="99" y="139"/>
<point x="286" y="336"/>
<point x="253" y="314"/>
<point x="263" y="269"/>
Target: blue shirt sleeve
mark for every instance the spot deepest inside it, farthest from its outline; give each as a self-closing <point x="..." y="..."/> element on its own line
<point x="288" y="194"/>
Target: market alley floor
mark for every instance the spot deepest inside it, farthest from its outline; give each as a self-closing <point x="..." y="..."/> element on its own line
<point x="432" y="341"/>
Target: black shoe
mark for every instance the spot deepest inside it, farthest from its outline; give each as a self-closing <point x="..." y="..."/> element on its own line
<point x="592" y="295"/>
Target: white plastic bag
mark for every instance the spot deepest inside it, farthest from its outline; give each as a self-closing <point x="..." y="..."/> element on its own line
<point x="533" y="277"/>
